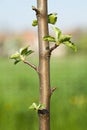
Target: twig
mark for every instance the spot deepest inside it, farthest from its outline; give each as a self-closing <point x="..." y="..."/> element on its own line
<point x="36" y="10"/>
<point x="52" y="90"/>
<point x="53" y="47"/>
<point x="31" y="65"/>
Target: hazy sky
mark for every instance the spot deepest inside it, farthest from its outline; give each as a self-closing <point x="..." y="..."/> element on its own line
<point x="18" y="15"/>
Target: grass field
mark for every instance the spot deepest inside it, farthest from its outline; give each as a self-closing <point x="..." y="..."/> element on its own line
<point x="19" y="88"/>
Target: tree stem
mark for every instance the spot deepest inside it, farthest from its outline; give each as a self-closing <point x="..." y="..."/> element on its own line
<point x="44" y="64"/>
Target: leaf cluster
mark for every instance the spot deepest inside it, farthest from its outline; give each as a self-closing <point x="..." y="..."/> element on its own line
<point x="21" y="54"/>
<point x="60" y="38"/>
<point x="36" y="107"/>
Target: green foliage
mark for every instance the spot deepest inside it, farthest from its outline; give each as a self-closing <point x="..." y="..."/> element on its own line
<point x="34" y="23"/>
<point x="64" y="38"/>
<point x="17" y="57"/>
<point x="57" y="33"/>
<point x="60" y="38"/>
<point x="52" y="19"/>
<point x="71" y="45"/>
<point x="49" y="38"/>
<point x="21" y="54"/>
<point x="36" y="107"/>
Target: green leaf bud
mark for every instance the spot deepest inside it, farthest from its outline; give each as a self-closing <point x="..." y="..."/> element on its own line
<point x="52" y="18"/>
<point x="49" y="38"/>
<point x="35" y="22"/>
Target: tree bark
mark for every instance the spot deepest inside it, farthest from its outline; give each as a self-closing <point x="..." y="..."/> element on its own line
<point x="44" y="65"/>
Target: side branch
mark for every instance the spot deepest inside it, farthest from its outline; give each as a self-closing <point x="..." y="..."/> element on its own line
<point x="52" y="90"/>
<point x="31" y="65"/>
<point x="36" y="10"/>
<point x="53" y="47"/>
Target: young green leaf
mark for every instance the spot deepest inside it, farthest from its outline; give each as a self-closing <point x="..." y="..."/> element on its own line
<point x="36" y="107"/>
<point x="16" y="61"/>
<point x="35" y="22"/>
<point x="41" y="106"/>
<point x="24" y="50"/>
<point x="29" y="52"/>
<point x="71" y="45"/>
<point x="64" y="38"/>
<point x="49" y="38"/>
<point x="21" y="54"/>
<point x="15" y="56"/>
<point x="52" y="18"/>
<point x="57" y="33"/>
<point x="33" y="106"/>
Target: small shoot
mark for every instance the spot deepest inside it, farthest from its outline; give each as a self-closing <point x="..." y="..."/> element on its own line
<point x="21" y="54"/>
<point x="52" y="18"/>
<point x="36" y="107"/>
<point x="34" y="23"/>
<point x="60" y="38"/>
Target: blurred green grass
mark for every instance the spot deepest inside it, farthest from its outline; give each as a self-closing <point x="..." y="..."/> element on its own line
<point x="19" y="87"/>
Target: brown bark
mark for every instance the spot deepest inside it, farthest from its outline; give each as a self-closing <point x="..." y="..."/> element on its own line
<point x="44" y="65"/>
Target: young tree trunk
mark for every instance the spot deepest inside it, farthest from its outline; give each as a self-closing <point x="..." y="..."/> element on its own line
<point x="44" y="65"/>
<point x="45" y="51"/>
